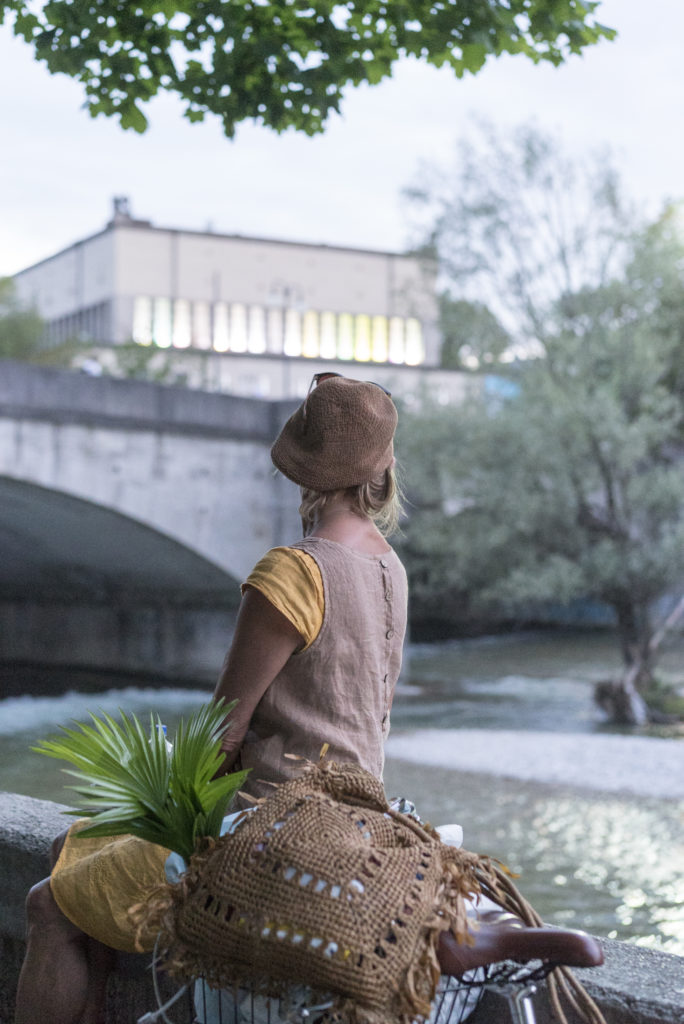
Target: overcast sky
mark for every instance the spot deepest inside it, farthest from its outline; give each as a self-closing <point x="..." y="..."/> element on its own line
<point x="60" y="168"/>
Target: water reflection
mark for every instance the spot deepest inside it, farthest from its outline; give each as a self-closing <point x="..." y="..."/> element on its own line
<point x="541" y="681"/>
<point x="606" y="862"/>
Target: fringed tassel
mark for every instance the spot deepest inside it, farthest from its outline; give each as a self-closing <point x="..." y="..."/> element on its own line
<point x="562" y="984"/>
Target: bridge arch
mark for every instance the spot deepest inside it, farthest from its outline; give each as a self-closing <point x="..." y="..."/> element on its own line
<point x="55" y="547"/>
<point x="90" y="598"/>
<point x="128" y="512"/>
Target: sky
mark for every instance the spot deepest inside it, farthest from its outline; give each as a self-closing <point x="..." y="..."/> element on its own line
<point x="60" y="168"/>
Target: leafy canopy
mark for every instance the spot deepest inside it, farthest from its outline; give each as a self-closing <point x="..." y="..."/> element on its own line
<point x="22" y="333"/>
<point x="21" y="329"/>
<point x="284" y="63"/>
<point x="131" y="785"/>
<point x="514" y="225"/>
<point x="565" y="481"/>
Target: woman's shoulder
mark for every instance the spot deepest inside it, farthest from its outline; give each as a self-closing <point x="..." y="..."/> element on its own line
<point x="284" y="559"/>
<point x="323" y="549"/>
<point x="290" y="579"/>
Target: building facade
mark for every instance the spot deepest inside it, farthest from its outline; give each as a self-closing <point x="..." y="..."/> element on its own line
<point x="186" y="290"/>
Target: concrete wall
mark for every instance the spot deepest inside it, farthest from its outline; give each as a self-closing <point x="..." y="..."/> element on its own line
<point x="79" y="276"/>
<point x="635" y="986"/>
<point x="95" y="647"/>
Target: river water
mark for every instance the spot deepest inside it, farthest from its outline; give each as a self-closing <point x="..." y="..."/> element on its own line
<point x="501" y="736"/>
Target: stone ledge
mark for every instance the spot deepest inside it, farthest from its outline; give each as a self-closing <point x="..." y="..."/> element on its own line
<point x="635" y="986"/>
<point x="67" y="396"/>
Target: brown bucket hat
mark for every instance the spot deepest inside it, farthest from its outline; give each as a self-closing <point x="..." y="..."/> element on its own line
<point x="340" y="436"/>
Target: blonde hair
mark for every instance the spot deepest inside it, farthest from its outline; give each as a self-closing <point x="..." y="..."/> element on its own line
<point x="379" y="500"/>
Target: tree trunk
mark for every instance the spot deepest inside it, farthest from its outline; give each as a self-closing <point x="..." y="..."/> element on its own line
<point x="620" y="698"/>
<point x="635" y="632"/>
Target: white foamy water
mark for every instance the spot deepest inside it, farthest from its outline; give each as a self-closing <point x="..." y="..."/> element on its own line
<point x="640" y="765"/>
<point x="26" y="714"/>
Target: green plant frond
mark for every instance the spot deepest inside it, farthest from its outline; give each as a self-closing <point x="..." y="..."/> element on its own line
<point x="115" y="779"/>
<point x="130" y="784"/>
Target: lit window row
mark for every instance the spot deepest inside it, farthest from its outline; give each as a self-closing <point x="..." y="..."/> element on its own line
<point x="236" y="327"/>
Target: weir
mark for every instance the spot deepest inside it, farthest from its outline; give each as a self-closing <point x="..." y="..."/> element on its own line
<point x="635" y="986"/>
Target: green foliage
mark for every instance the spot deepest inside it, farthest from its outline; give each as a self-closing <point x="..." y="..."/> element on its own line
<point x="21" y="329"/>
<point x="145" y="362"/>
<point x="22" y="333"/>
<point x="664" y="698"/>
<point x="518" y="223"/>
<point x="562" y="481"/>
<point x="472" y="335"/>
<point x="284" y="63"/>
<point x="567" y="484"/>
<point x="131" y="785"/>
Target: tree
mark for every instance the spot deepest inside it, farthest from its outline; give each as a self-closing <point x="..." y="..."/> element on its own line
<point x="21" y="329"/>
<point x="519" y="223"/>
<point x="22" y="333"/>
<point x="472" y="337"/>
<point x="285" y="63"/>
<point x="565" y="482"/>
<point x="571" y="488"/>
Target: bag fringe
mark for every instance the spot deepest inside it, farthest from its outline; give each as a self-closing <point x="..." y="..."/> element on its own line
<point x="464" y="875"/>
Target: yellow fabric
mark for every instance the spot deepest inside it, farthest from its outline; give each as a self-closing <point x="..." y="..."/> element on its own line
<point x="291" y="580"/>
<point x="97" y="880"/>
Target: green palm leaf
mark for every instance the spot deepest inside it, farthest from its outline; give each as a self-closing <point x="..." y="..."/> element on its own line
<point x="130" y="784"/>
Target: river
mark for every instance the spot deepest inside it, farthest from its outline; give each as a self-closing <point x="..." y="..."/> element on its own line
<point x="501" y="736"/>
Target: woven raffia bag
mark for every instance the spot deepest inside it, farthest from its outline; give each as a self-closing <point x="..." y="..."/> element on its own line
<point x="323" y="885"/>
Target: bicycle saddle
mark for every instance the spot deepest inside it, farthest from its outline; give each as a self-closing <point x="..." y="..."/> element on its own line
<point x="498" y="935"/>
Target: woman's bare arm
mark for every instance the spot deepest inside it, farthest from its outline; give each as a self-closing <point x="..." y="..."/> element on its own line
<point x="264" y="639"/>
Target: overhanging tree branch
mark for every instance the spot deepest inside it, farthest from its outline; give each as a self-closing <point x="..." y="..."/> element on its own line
<point x="284" y="63"/>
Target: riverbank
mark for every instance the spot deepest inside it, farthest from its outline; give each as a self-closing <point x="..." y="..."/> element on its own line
<point x="637" y="765"/>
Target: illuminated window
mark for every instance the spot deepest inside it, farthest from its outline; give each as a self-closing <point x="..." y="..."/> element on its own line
<point x="275" y="330"/>
<point x="345" y="338"/>
<point x="257" y="330"/>
<point x="238" y="327"/>
<point x="396" y="340"/>
<point x="161" y="329"/>
<point x="201" y="325"/>
<point x="379" y="349"/>
<point x="310" y="341"/>
<point x="414" y="342"/>
<point x="142" y="320"/>
<point x="328" y="349"/>
<point x="181" y="323"/>
<point x="362" y="338"/>
<point x="293" y="333"/>
<point x="221" y="327"/>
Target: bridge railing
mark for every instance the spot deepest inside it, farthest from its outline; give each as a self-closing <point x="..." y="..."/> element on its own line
<point x="64" y="396"/>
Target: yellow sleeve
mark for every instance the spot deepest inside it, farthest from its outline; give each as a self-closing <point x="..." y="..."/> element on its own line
<point x="291" y="580"/>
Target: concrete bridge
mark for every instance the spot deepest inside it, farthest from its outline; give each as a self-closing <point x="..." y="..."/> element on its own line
<point x="128" y="514"/>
